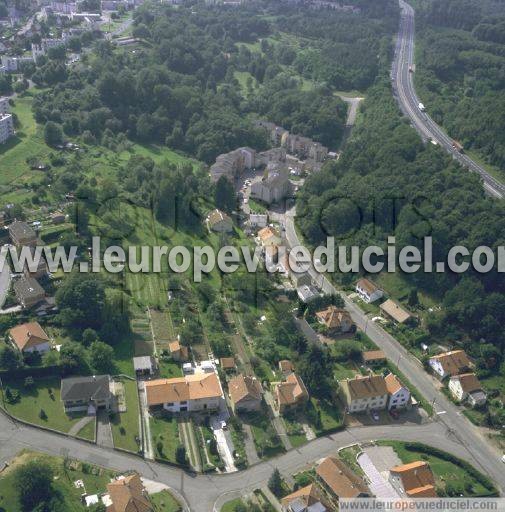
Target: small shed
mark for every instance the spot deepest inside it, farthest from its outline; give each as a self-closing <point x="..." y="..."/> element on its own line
<point x="144" y="365"/>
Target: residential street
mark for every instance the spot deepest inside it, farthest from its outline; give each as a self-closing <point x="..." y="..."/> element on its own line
<point x="202" y="491"/>
<point x="486" y="456"/>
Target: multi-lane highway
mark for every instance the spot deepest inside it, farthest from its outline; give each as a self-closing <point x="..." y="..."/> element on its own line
<point x="403" y="88"/>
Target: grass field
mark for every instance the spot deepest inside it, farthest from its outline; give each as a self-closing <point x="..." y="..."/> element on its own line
<point x="447" y="474"/>
<point x="44" y="394"/>
<point x="165" y="431"/>
<point x="266" y="440"/>
<point x="125" y="425"/>
<point x="88" y="431"/>
<point x="28" y="142"/>
<point x="164" y="502"/>
<point x="95" y="480"/>
<point x="230" y="506"/>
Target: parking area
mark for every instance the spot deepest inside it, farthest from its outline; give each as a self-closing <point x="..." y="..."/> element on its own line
<point x="376" y="461"/>
<point x="225" y="447"/>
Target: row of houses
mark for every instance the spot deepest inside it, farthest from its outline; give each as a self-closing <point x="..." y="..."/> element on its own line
<point x="463" y="384"/>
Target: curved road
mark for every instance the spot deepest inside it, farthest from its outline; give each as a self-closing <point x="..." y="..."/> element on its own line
<point x="403" y="88"/>
<point x="203" y="492"/>
<point x="477" y="447"/>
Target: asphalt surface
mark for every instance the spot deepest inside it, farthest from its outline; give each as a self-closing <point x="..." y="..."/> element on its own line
<point x="203" y="492"/>
<point x="479" y="448"/>
<point x="403" y="88"/>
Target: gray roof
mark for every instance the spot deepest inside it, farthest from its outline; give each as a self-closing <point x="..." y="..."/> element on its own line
<point x="19" y="229"/>
<point x="27" y="287"/>
<point x="143" y="363"/>
<point x="94" y="387"/>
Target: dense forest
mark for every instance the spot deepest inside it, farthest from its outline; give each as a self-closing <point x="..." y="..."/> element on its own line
<point x="387" y="182"/>
<point x="180" y="86"/>
<point x="461" y="71"/>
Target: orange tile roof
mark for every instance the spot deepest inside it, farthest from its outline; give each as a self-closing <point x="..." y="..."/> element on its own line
<point x="333" y="317"/>
<point x="292" y="391"/>
<point x="417" y="478"/>
<point x="393" y="383"/>
<point x="343" y="482"/>
<point x="28" y="335"/>
<point x="453" y="362"/>
<point x="127" y="495"/>
<point x="244" y="387"/>
<point x="175" y="347"/>
<point x="189" y="387"/>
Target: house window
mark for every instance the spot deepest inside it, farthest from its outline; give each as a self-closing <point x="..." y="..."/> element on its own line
<point x="184" y="402"/>
<point x="170" y="404"/>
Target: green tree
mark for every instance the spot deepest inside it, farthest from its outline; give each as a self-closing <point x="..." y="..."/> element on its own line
<point x="180" y="455"/>
<point x="10" y="359"/>
<point x="275" y="482"/>
<point x="101" y="356"/>
<point x="224" y="195"/>
<point x="413" y="299"/>
<point x="53" y="134"/>
<point x="34" y="484"/>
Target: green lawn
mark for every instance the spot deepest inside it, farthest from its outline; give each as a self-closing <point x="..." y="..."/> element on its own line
<point x="88" y="431"/>
<point x="447" y="474"/>
<point x="28" y="142"/>
<point x="348" y="455"/>
<point x="44" y="394"/>
<point x="66" y="472"/>
<point x="164" y="430"/>
<point x="169" y="369"/>
<point x="230" y="506"/>
<point x="164" y="502"/>
<point x="323" y="417"/>
<point x="125" y="425"/>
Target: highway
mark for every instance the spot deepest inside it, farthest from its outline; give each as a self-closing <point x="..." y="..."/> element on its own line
<point x="403" y="88"/>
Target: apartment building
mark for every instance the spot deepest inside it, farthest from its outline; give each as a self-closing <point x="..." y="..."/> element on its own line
<point x="6" y="127"/>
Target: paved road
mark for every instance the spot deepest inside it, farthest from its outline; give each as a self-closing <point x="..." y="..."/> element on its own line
<point x="5" y="281"/>
<point x="202" y="491"/>
<point x="478" y="447"/>
<point x="403" y="88"/>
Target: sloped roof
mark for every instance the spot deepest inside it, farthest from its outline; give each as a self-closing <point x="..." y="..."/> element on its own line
<point x="417" y="478"/>
<point x="227" y="363"/>
<point x="309" y="495"/>
<point x="244" y="387"/>
<point x="469" y="382"/>
<point x="393" y="383"/>
<point x="27" y="287"/>
<point x="285" y="365"/>
<point x="28" y="335"/>
<point x="367" y="285"/>
<point x="189" y="387"/>
<point x="373" y="355"/>
<point x="127" y="495"/>
<point x="395" y="311"/>
<point x="292" y="391"/>
<point x="365" y="387"/>
<point x="333" y="317"/>
<point x="453" y="362"/>
<point x="93" y="387"/>
<point x="340" y="479"/>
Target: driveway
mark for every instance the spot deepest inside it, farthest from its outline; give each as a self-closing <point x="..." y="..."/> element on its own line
<point x="224" y="441"/>
<point x="147" y="440"/>
<point x="377" y="482"/>
<point x="103" y="429"/>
